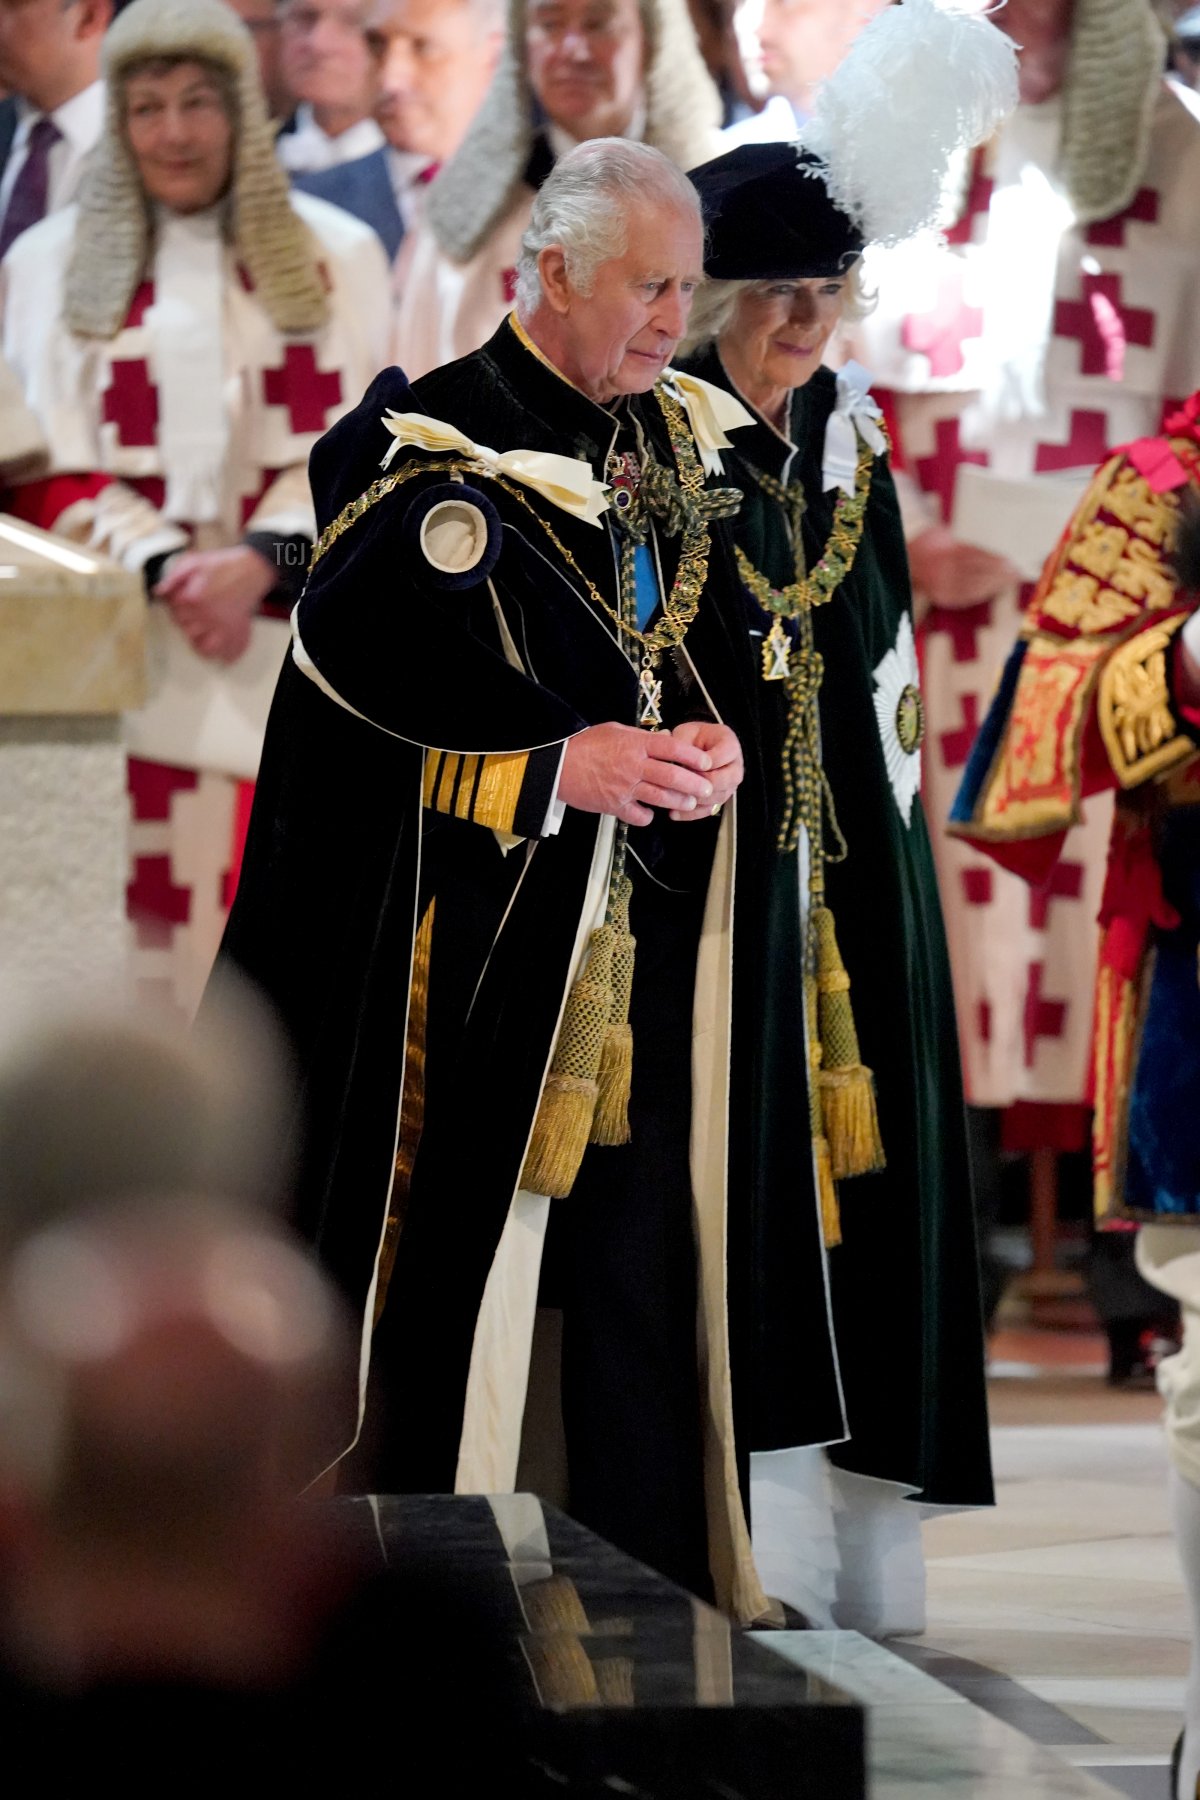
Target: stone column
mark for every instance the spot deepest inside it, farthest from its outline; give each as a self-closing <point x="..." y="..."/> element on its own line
<point x="72" y="632"/>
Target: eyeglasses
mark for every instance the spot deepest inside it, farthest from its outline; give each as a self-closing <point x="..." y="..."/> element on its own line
<point x="307" y="18"/>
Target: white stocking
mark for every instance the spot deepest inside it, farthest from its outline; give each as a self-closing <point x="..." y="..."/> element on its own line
<point x="1185" y="1511"/>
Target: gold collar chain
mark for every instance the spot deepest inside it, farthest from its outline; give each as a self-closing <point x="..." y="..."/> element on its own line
<point x="818" y="586"/>
<point x="807" y="797"/>
<point x="692" y="509"/>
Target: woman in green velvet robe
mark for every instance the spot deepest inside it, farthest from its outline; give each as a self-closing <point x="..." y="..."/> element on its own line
<point x="827" y="591"/>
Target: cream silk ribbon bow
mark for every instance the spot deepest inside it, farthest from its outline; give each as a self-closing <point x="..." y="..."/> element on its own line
<point x="854" y="416"/>
<point x="711" y="413"/>
<point x="566" y="481"/>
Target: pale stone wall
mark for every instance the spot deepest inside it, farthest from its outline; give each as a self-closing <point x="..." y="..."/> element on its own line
<point x="63" y="854"/>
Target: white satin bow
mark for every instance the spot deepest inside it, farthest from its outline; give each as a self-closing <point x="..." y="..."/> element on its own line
<point x="566" y="481"/>
<point x="711" y="412"/>
<point x="854" y="416"/>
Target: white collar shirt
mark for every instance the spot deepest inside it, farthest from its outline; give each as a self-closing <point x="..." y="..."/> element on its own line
<point x="80" y="121"/>
<point x="308" y="148"/>
<point x="405" y="168"/>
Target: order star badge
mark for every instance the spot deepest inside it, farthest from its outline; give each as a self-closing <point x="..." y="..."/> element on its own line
<point x="901" y="715"/>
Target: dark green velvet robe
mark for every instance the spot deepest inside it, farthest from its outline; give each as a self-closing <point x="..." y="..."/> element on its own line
<point x="905" y="1281"/>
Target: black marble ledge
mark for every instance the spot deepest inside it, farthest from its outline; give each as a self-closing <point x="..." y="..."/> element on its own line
<point x="601" y="1677"/>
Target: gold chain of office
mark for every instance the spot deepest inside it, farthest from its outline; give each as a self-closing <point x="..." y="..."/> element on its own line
<point x="817" y="586"/>
<point x="690" y="512"/>
<point x="807" y="796"/>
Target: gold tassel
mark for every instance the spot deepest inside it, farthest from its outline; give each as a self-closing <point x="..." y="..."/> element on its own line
<point x="831" y="1218"/>
<point x="831" y="1212"/>
<point x="614" y="1680"/>
<point x="554" y="1605"/>
<point x="847" y="1087"/>
<point x="611" y="1123"/>
<point x="568" y="1104"/>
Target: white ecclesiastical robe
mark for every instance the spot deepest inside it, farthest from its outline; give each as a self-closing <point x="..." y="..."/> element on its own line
<point x="189" y="429"/>
<point x="1017" y="355"/>
<point x="447" y="309"/>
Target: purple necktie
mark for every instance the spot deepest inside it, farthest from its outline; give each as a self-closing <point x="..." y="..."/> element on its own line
<point x="30" y="196"/>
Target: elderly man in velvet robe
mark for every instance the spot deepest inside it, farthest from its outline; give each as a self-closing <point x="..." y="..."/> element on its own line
<point x="513" y="780"/>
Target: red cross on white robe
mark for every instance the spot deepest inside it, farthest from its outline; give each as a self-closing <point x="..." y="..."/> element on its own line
<point x="938" y="473"/>
<point x="941" y="332"/>
<point x="977" y="886"/>
<point x="1042" y="1018"/>
<point x="1111" y="232"/>
<point x="978" y="201"/>
<point x="309" y="393"/>
<point x="956" y="745"/>
<point x="1104" y="325"/>
<point x="155" y="902"/>
<point x="1085" y="448"/>
<point x="962" y="625"/>
<point x="130" y="400"/>
<point x="131" y="404"/>
<point x="1065" y="883"/>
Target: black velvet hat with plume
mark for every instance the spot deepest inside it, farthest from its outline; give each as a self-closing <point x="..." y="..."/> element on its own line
<point x="769" y="216"/>
<point x="921" y="81"/>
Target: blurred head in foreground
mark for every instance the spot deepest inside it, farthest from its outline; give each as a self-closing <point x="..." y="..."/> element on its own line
<point x="167" y="1362"/>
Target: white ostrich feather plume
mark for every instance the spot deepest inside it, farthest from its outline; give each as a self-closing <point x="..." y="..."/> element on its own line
<point x="921" y="81"/>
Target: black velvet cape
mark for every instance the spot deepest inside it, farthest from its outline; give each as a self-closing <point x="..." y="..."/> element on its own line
<point x="342" y="860"/>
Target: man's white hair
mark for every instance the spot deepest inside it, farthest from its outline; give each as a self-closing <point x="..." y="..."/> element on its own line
<point x="583" y="206"/>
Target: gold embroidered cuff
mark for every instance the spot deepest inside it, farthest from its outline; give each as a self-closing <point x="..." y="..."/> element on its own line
<point x="1135" y="709"/>
<point x="509" y="793"/>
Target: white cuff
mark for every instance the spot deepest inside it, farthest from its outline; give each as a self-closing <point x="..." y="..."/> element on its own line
<point x="556" y="811"/>
<point x="1191" y="636"/>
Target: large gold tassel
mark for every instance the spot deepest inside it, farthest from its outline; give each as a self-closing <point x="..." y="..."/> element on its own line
<point x="611" y="1122"/>
<point x="568" y="1104"/>
<point x="847" y="1087"/>
<point x="831" y="1218"/>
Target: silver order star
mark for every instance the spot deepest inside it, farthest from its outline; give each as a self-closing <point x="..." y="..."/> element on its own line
<point x="897" y="701"/>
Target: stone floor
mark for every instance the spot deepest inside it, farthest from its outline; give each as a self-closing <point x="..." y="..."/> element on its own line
<point x="1062" y="1612"/>
<point x="1056" y="1647"/>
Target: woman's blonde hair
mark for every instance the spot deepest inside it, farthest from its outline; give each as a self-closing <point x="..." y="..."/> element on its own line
<point x="716" y="302"/>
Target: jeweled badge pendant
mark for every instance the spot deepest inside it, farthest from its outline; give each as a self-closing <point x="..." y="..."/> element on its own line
<point x="649" y="698"/>
<point x="777" y="653"/>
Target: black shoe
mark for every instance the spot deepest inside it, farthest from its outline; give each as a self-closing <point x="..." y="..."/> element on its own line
<point x="791" y="1620"/>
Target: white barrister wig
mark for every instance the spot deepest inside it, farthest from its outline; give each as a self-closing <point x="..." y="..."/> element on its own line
<point x="922" y="80"/>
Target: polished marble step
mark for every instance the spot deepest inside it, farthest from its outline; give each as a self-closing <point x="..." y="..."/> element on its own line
<point x="604" y="1678"/>
<point x="925" y="1740"/>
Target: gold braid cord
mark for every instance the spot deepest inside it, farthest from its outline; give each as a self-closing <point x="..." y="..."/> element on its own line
<point x="845" y="1122"/>
<point x="681" y="503"/>
<point x="586" y="1094"/>
<point x="806" y="793"/>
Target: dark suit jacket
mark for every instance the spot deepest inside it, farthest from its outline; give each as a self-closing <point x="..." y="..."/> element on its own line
<point x="8" y="130"/>
<point x="364" y="188"/>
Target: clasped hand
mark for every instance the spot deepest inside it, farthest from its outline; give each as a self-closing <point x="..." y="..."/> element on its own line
<point x="627" y="772"/>
<point x="213" y="596"/>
